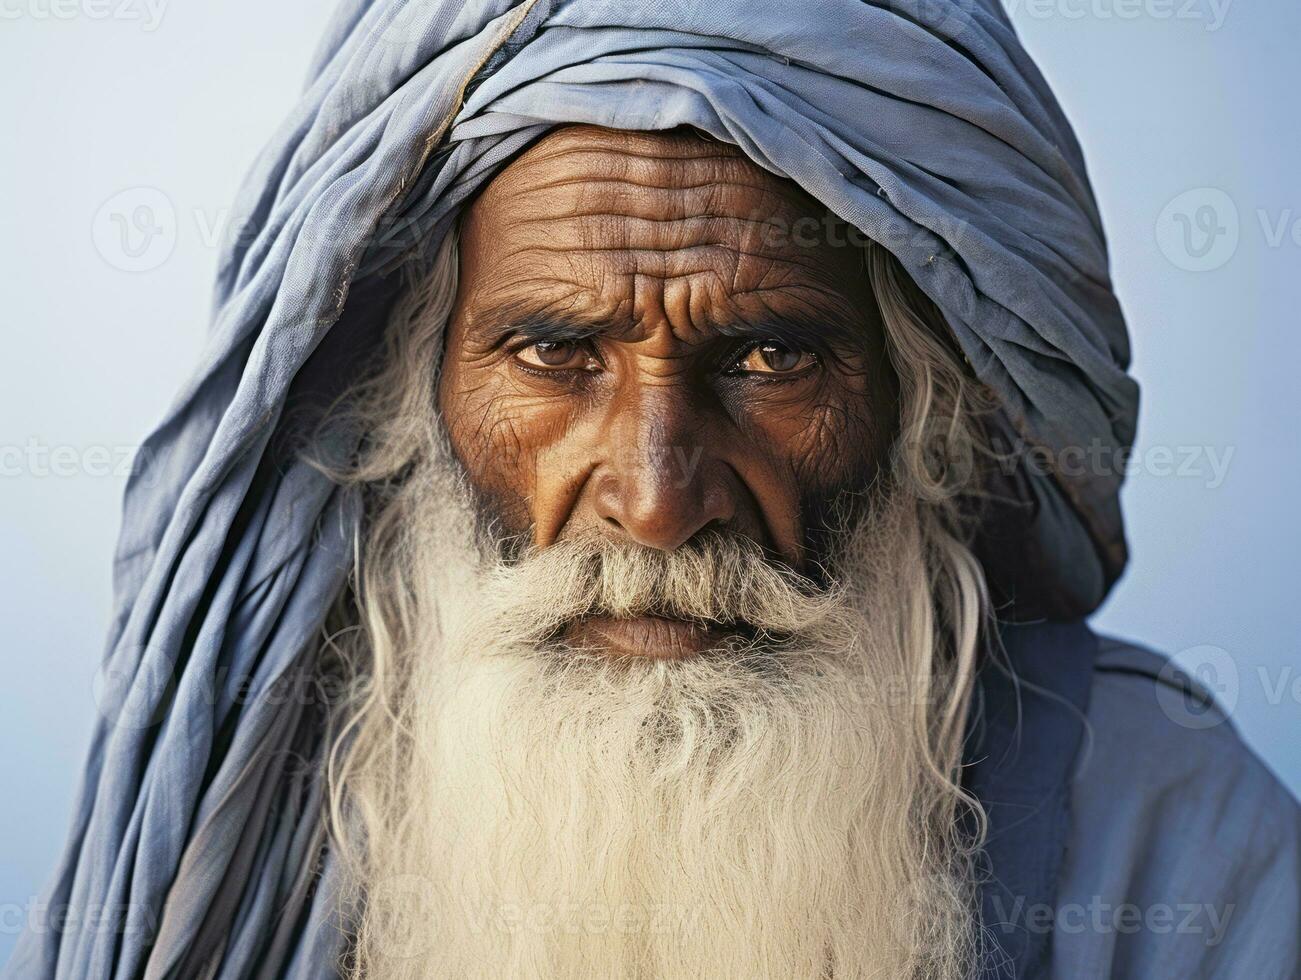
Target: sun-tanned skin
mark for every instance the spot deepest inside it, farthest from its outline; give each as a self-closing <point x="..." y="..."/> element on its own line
<point x="639" y="347"/>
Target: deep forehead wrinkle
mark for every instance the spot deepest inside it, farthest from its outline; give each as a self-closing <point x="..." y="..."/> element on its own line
<point x="569" y="247"/>
<point x="673" y="160"/>
<point x="678" y="143"/>
<point x="775" y="237"/>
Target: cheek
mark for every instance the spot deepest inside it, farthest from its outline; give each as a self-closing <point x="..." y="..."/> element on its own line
<point x="833" y="448"/>
<point x="501" y="434"/>
<point x="828" y="440"/>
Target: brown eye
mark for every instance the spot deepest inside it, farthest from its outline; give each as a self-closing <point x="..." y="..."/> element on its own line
<point x="557" y="355"/>
<point x="771" y="357"/>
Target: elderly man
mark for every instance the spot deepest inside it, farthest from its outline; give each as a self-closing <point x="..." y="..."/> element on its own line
<point x="599" y="544"/>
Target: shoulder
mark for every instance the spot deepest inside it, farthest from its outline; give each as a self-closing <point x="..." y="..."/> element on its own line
<point x="1155" y="732"/>
<point x="1175" y="819"/>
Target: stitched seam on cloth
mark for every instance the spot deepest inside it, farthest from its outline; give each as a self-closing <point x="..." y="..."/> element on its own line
<point x="509" y="28"/>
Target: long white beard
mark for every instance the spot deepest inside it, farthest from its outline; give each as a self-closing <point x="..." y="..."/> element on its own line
<point x="776" y="808"/>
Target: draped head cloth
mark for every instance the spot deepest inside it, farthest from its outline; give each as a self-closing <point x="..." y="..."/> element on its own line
<point x="196" y="848"/>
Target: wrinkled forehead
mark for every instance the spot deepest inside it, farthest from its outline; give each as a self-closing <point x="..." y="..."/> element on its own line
<point x="599" y="205"/>
<point x="681" y="158"/>
<point x="679" y="172"/>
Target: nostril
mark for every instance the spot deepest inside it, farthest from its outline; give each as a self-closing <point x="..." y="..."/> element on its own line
<point x="613" y="522"/>
<point x="718" y="525"/>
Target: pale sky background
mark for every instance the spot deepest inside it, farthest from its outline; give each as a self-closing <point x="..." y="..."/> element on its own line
<point x="1187" y="113"/>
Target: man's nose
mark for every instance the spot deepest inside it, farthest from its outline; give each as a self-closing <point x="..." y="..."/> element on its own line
<point x="660" y="480"/>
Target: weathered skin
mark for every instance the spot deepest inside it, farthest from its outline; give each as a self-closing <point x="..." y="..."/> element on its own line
<point x="608" y="364"/>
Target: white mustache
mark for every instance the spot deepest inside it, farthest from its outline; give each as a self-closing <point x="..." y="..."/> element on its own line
<point x="716" y="579"/>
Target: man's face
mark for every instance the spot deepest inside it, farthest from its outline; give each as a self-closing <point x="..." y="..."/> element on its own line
<point x="655" y="337"/>
<point x="679" y="694"/>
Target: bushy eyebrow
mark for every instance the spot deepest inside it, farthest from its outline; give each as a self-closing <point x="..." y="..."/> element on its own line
<point x="799" y="331"/>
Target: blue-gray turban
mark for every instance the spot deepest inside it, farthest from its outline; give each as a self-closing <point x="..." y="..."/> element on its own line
<point x="196" y="838"/>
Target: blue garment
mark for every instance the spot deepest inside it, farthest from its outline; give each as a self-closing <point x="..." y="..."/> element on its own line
<point x="1131" y="833"/>
<point x="1184" y="855"/>
<point x="1024" y="735"/>
<point x="924" y="124"/>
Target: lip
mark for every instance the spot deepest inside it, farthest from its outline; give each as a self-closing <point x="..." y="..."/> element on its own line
<point x="649" y="637"/>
